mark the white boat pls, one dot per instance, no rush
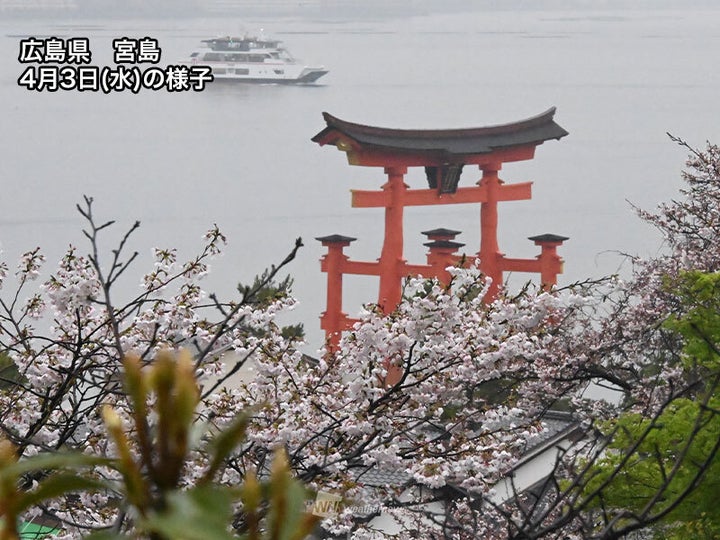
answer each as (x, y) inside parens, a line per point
(252, 60)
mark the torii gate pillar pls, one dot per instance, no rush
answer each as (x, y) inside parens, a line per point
(391, 257)
(489, 253)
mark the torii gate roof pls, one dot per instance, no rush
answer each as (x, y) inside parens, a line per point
(378, 146)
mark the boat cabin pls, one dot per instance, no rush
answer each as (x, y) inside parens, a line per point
(240, 44)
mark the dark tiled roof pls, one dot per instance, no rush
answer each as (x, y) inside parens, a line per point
(335, 238)
(379, 477)
(442, 231)
(556, 425)
(444, 244)
(548, 237)
(481, 140)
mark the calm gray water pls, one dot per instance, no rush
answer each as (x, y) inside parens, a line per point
(241, 156)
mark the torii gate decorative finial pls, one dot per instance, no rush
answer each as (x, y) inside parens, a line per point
(443, 153)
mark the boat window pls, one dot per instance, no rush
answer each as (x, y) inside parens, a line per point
(236, 57)
(212, 56)
(257, 57)
(218, 45)
(193, 55)
(242, 71)
(279, 71)
(275, 55)
(219, 71)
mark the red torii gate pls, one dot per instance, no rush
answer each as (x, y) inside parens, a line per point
(443, 153)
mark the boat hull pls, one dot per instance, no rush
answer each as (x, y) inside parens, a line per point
(308, 78)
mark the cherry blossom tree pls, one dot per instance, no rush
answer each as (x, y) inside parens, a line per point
(64, 375)
(336, 416)
(653, 465)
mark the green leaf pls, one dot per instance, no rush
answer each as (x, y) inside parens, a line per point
(201, 513)
(296, 523)
(226, 441)
(288, 518)
(60, 460)
(59, 484)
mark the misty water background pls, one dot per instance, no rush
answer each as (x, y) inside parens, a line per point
(241, 155)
